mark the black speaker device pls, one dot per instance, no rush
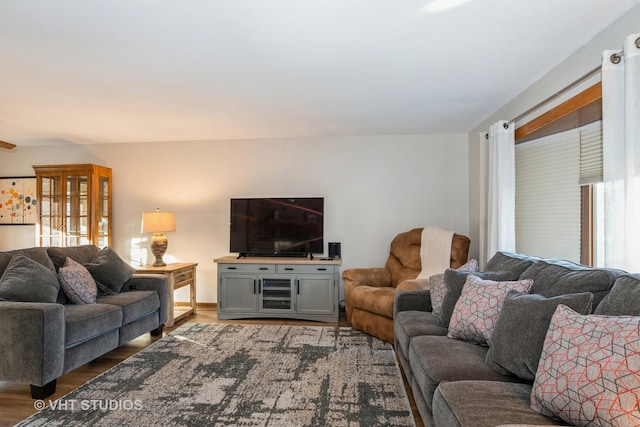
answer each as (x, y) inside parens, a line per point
(334, 250)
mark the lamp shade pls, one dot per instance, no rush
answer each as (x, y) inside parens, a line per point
(158, 222)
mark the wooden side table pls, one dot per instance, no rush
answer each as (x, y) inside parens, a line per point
(178, 276)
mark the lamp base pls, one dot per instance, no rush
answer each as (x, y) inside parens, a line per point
(159, 245)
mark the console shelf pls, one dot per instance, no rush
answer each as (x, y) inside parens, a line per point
(267, 287)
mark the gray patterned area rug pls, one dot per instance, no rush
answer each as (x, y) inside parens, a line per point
(244, 375)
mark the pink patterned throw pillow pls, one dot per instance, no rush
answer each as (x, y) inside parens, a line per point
(77, 283)
(478, 308)
(471, 265)
(589, 371)
(437, 288)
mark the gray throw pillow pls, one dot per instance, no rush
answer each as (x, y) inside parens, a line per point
(37, 254)
(454, 282)
(81, 254)
(518, 336)
(623, 299)
(509, 261)
(110, 271)
(558, 277)
(26, 280)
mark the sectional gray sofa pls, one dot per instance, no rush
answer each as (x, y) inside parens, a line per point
(44, 335)
(461, 383)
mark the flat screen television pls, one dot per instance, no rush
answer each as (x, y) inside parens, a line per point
(277, 226)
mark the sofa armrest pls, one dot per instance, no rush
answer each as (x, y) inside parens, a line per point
(418, 300)
(151, 282)
(32, 342)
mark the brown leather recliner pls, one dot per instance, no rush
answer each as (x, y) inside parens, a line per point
(369, 292)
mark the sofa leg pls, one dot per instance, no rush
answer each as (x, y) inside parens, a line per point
(40, 392)
(157, 331)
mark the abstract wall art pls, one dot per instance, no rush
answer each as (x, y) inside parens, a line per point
(18, 204)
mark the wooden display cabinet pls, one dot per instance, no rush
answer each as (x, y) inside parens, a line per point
(74, 205)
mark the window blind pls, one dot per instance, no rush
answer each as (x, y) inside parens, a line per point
(549, 173)
(548, 196)
(591, 153)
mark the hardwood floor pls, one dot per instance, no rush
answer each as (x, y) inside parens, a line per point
(16, 403)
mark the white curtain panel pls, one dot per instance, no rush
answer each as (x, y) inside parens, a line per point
(501, 184)
(621, 155)
(483, 141)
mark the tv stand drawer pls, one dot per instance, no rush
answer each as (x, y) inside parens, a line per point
(247, 268)
(305, 269)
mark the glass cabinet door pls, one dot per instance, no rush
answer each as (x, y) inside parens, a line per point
(104, 211)
(77, 210)
(51, 221)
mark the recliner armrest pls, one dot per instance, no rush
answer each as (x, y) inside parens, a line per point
(418, 300)
(32, 342)
(354, 277)
(378, 277)
(414, 284)
(151, 282)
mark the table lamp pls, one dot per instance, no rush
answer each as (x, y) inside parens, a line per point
(156, 223)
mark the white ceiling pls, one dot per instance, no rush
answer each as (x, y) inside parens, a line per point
(93, 71)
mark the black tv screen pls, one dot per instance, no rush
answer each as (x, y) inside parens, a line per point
(277, 226)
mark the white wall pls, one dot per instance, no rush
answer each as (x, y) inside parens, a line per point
(374, 188)
(568, 71)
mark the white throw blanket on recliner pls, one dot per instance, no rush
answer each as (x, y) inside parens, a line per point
(435, 251)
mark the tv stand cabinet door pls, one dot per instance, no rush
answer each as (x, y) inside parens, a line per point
(237, 293)
(315, 295)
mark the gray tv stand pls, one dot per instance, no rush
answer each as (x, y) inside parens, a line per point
(272, 287)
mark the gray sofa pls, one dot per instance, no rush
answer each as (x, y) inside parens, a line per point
(44, 335)
(459, 383)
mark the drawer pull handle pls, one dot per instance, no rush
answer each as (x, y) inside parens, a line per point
(289, 268)
(322, 269)
(264, 268)
(231, 268)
